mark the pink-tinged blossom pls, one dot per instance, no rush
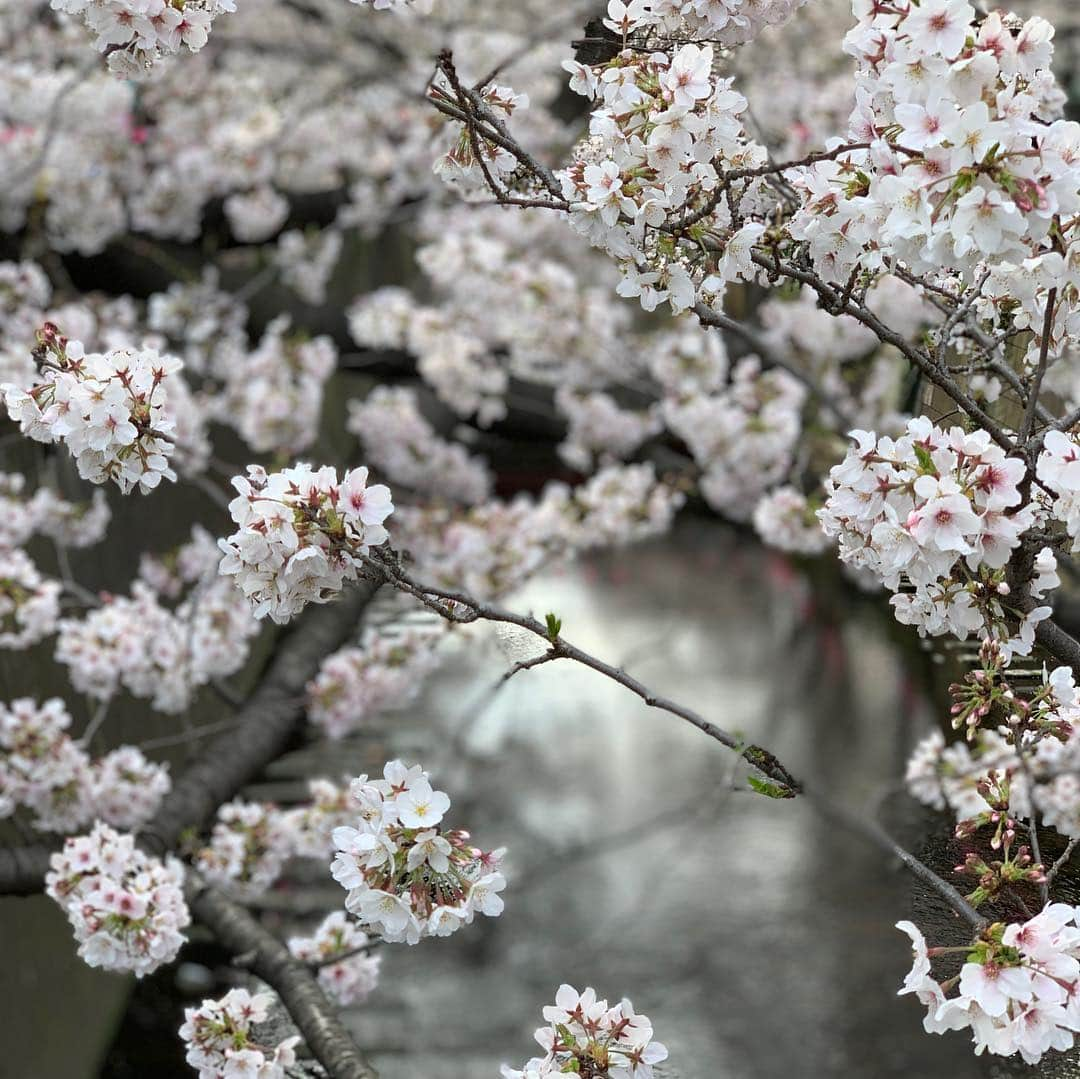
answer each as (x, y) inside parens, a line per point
(302, 534)
(1015, 989)
(127, 909)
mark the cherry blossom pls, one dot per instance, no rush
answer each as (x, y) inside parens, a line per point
(222, 1038)
(126, 908)
(352, 978)
(585, 1035)
(302, 534)
(403, 895)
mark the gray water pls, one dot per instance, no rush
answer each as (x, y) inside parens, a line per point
(757, 938)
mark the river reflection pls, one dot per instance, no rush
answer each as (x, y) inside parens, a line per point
(757, 938)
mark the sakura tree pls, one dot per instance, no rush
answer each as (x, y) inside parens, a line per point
(827, 293)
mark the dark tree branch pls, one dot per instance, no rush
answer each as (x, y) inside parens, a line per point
(458, 607)
(293, 981)
(1040, 371)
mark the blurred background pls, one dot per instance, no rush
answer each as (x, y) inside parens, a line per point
(756, 936)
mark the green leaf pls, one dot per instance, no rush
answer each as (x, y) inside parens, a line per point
(926, 462)
(554, 624)
(770, 790)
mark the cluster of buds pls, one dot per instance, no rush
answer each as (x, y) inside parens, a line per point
(406, 876)
(1012, 868)
(986, 692)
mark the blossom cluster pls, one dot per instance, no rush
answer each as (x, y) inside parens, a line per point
(955, 776)
(1017, 987)
(273, 395)
(310, 826)
(29, 602)
(222, 1042)
(70, 524)
(135, 34)
(458, 365)
(1055, 471)
(301, 535)
(586, 1036)
(961, 161)
(109, 409)
(306, 260)
(355, 684)
(489, 549)
(346, 972)
(127, 908)
(408, 877)
(248, 846)
(742, 437)
(400, 442)
(207, 635)
(727, 22)
(45, 771)
(251, 842)
(600, 430)
(662, 127)
(940, 511)
(785, 519)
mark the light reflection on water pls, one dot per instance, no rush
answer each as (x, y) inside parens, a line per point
(757, 939)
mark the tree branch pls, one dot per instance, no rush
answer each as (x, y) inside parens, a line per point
(458, 607)
(293, 981)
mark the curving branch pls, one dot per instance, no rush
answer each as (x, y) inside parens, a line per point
(461, 608)
(293, 980)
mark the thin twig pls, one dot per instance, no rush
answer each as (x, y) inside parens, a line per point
(1040, 371)
(1060, 864)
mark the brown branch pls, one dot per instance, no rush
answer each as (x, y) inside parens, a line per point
(292, 979)
(458, 607)
(264, 725)
(1060, 864)
(868, 828)
(833, 300)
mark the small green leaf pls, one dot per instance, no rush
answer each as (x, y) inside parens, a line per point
(926, 462)
(770, 790)
(554, 624)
